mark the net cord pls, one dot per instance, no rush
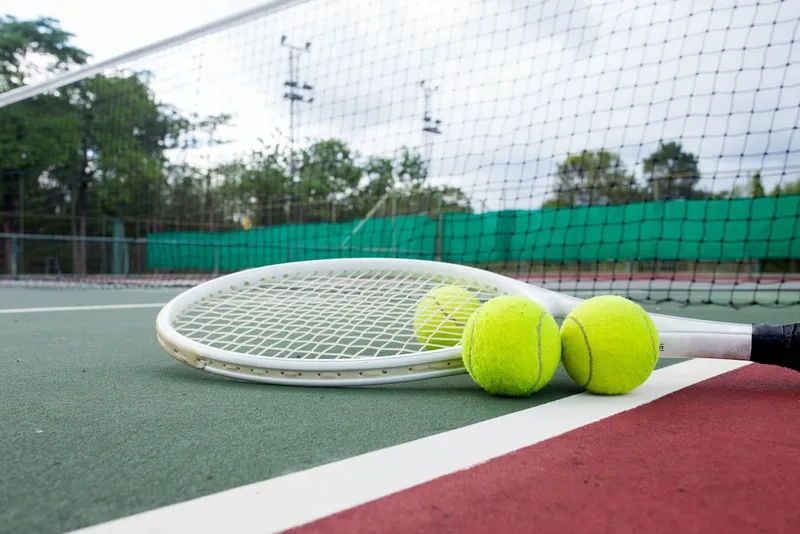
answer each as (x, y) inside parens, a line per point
(29, 91)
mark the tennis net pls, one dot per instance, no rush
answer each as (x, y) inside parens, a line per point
(644, 148)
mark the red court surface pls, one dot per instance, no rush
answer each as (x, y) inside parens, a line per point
(720, 456)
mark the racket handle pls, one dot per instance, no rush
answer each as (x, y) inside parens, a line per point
(776, 345)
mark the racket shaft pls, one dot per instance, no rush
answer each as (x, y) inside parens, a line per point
(727, 346)
(766, 344)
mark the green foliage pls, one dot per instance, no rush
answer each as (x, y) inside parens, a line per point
(789, 188)
(671, 173)
(122, 138)
(594, 178)
(326, 168)
(100, 148)
(755, 188)
(327, 182)
(36, 135)
(735, 192)
(42, 38)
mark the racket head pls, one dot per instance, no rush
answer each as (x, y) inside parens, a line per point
(325, 322)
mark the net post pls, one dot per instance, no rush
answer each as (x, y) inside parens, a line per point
(117, 252)
(14, 257)
(394, 225)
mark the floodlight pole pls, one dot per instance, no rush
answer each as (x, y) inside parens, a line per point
(429, 125)
(295, 93)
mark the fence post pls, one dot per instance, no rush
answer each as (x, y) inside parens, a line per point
(118, 251)
(14, 259)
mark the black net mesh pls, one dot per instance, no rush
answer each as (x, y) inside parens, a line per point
(638, 147)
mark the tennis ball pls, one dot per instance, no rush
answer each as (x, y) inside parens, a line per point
(511, 346)
(609, 345)
(441, 315)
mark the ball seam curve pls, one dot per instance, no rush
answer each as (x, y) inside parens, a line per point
(653, 343)
(588, 351)
(468, 359)
(538, 355)
(448, 317)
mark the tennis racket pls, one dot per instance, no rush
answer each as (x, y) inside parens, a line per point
(346, 322)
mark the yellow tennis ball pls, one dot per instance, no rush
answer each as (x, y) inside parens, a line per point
(441, 315)
(511, 346)
(609, 345)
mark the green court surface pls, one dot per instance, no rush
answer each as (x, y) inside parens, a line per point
(99, 423)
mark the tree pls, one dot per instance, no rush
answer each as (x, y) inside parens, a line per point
(755, 187)
(328, 167)
(121, 134)
(42, 38)
(100, 147)
(31, 149)
(671, 173)
(735, 192)
(257, 185)
(202, 133)
(789, 188)
(332, 183)
(402, 182)
(593, 178)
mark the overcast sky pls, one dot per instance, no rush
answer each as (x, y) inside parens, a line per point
(522, 83)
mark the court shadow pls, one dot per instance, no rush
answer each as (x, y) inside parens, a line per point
(458, 385)
(185, 375)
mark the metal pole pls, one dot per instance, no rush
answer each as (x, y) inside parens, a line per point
(21, 252)
(296, 92)
(430, 126)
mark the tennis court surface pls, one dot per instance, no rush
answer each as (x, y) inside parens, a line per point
(102, 429)
(639, 148)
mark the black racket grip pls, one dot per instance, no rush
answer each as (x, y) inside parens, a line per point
(776, 345)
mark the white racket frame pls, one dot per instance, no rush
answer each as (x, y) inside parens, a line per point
(679, 337)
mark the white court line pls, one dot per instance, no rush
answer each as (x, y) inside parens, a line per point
(295, 499)
(83, 308)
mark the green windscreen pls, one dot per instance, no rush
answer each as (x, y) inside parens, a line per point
(694, 230)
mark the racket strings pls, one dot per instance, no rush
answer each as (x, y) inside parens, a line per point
(321, 316)
(350, 329)
(299, 319)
